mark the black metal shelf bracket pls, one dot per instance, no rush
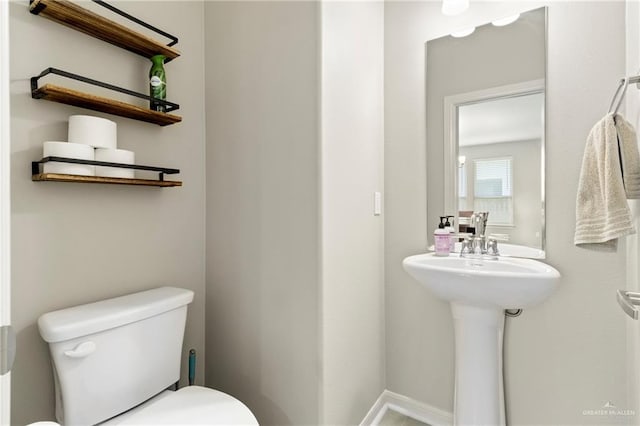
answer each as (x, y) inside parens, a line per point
(169, 106)
(174, 39)
(35, 165)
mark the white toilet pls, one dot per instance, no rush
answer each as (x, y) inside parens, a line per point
(114, 360)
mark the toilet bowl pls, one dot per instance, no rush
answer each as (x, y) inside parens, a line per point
(188, 406)
(192, 405)
(114, 360)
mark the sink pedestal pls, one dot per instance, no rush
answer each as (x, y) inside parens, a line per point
(479, 393)
(479, 290)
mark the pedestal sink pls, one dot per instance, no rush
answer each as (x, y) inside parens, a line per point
(479, 291)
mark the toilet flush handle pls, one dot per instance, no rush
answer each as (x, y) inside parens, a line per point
(82, 350)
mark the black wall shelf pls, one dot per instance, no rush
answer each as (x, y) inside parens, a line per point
(78, 18)
(73, 97)
(57, 177)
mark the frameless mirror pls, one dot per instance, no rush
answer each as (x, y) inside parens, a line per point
(485, 128)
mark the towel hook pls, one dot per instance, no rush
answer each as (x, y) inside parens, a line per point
(619, 95)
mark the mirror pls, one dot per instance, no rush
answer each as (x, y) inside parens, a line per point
(485, 128)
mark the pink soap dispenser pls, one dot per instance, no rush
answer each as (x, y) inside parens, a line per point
(442, 239)
(448, 225)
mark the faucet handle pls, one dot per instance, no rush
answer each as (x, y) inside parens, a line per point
(492, 247)
(479, 245)
(467, 246)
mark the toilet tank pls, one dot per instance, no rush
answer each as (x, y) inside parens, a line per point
(114, 354)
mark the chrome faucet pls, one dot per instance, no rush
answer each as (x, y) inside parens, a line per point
(479, 246)
(479, 222)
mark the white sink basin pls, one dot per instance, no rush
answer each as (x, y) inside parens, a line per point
(506, 283)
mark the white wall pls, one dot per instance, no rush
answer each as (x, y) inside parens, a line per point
(262, 319)
(77, 243)
(294, 253)
(352, 237)
(567, 355)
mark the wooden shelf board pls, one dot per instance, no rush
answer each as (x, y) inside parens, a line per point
(55, 177)
(63, 95)
(81, 19)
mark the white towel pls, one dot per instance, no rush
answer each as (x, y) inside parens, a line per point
(602, 212)
(628, 144)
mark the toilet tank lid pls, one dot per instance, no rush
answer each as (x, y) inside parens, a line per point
(83, 320)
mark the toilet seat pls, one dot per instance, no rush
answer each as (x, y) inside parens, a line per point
(192, 405)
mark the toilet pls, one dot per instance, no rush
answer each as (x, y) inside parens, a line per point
(115, 361)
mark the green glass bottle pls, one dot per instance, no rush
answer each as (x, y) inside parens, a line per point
(158, 82)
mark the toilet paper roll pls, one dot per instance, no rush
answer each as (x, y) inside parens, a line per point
(94, 131)
(115, 156)
(68, 150)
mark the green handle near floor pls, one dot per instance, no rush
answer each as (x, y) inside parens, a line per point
(192, 366)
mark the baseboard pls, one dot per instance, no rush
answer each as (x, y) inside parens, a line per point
(420, 411)
(376, 411)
